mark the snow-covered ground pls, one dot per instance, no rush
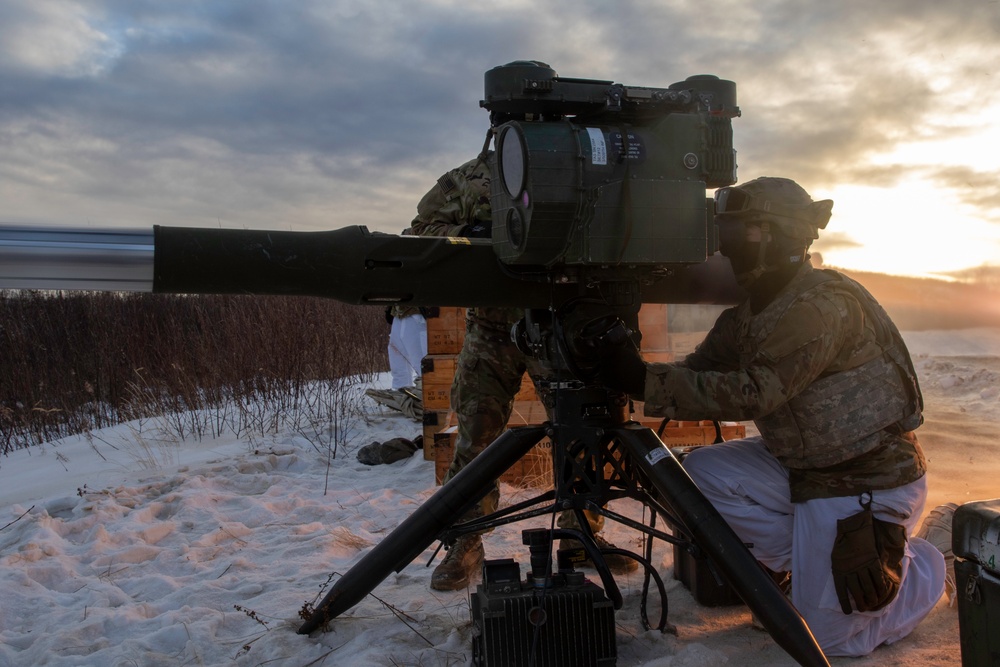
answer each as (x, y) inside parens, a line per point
(127, 550)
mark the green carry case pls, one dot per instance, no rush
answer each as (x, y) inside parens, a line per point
(976, 543)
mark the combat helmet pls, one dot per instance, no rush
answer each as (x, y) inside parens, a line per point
(786, 216)
(780, 201)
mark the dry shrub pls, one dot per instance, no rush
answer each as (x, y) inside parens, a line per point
(85, 360)
(344, 538)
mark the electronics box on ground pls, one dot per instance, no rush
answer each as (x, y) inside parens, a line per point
(976, 543)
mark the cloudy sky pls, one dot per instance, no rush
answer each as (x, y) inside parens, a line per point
(319, 114)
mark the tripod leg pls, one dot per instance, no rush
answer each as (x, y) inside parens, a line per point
(420, 529)
(710, 530)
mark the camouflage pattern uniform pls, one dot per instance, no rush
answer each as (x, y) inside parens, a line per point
(403, 311)
(489, 367)
(825, 376)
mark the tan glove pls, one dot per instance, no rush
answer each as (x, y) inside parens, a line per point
(867, 561)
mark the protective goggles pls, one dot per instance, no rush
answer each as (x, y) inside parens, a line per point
(732, 200)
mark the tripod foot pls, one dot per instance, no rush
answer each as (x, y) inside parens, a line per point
(421, 528)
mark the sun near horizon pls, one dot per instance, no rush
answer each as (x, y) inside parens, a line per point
(913, 229)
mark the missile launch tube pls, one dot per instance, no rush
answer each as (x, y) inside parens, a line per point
(110, 260)
(349, 264)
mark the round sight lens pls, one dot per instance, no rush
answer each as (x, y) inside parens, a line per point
(512, 161)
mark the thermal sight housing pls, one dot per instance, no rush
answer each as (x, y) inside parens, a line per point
(596, 177)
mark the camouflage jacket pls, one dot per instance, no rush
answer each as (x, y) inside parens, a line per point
(822, 372)
(459, 199)
(404, 311)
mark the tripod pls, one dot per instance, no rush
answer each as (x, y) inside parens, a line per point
(590, 434)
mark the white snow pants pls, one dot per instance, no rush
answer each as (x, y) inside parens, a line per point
(407, 346)
(750, 489)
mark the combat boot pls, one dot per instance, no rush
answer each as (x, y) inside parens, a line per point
(937, 529)
(464, 558)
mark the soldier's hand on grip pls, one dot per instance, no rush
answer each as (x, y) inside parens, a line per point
(478, 230)
(619, 364)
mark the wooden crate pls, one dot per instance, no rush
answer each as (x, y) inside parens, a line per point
(657, 356)
(438, 368)
(434, 421)
(445, 330)
(437, 396)
(527, 413)
(532, 413)
(689, 433)
(436, 374)
(653, 325)
(446, 333)
(534, 469)
(527, 390)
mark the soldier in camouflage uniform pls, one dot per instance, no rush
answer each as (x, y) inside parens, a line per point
(489, 367)
(836, 481)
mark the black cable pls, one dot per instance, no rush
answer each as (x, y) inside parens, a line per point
(650, 571)
(648, 553)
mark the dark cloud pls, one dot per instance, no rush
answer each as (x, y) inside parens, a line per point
(255, 111)
(198, 102)
(825, 89)
(258, 83)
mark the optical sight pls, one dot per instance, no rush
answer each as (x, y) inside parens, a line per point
(602, 179)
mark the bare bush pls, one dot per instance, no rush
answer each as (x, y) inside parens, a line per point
(76, 362)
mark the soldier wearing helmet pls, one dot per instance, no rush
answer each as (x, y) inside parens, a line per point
(488, 370)
(767, 225)
(830, 492)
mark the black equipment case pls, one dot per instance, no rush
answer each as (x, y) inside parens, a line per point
(569, 622)
(705, 584)
(696, 572)
(976, 543)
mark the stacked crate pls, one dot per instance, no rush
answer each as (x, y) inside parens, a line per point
(445, 334)
(655, 344)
